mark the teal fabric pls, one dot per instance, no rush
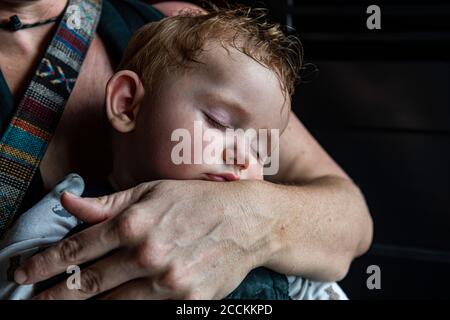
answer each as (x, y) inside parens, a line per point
(6, 103)
(262, 284)
(120, 19)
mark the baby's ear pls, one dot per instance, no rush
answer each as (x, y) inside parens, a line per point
(124, 95)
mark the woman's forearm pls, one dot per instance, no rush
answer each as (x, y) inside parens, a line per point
(318, 227)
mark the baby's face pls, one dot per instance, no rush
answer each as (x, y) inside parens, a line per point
(229, 90)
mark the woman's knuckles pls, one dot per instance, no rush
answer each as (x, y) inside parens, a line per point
(69, 250)
(131, 224)
(175, 280)
(91, 282)
(151, 255)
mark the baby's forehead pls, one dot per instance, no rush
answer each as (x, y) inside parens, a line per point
(230, 75)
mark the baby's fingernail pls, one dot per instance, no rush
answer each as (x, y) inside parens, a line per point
(20, 276)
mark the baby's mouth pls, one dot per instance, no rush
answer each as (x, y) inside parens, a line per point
(222, 177)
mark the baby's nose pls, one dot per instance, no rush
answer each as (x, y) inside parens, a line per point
(237, 157)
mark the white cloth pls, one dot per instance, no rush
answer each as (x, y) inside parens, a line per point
(305, 289)
(41, 226)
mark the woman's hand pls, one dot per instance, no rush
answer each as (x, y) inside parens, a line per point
(166, 239)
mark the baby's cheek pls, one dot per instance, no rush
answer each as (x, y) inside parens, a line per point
(166, 168)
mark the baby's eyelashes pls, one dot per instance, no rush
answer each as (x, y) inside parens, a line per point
(215, 123)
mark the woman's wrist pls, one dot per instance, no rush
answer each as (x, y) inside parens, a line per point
(256, 200)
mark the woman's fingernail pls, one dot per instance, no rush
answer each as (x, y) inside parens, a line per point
(69, 194)
(20, 276)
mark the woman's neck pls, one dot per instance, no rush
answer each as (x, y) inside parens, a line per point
(26, 41)
(30, 11)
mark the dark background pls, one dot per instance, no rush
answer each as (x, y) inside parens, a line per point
(380, 105)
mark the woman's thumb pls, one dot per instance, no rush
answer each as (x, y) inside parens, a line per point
(95, 210)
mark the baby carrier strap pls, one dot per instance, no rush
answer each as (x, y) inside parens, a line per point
(31, 129)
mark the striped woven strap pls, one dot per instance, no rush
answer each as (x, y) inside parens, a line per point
(25, 141)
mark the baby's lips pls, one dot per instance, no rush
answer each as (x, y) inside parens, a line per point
(222, 177)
